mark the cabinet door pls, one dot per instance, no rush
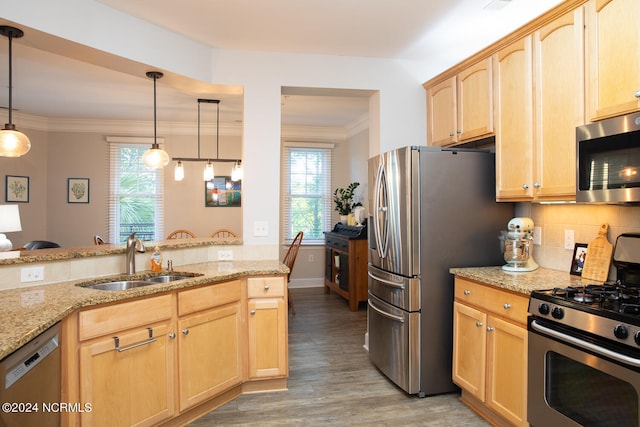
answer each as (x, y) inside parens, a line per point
(441, 113)
(267, 337)
(507, 370)
(209, 351)
(559, 107)
(469, 349)
(513, 94)
(129, 386)
(613, 57)
(475, 101)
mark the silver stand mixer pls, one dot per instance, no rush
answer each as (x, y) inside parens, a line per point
(516, 245)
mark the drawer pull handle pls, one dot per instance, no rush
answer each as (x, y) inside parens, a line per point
(145, 342)
(252, 312)
(467, 292)
(185, 331)
(266, 287)
(478, 324)
(507, 306)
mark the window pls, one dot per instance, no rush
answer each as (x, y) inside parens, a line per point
(136, 200)
(307, 191)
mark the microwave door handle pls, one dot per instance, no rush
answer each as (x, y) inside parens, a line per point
(580, 343)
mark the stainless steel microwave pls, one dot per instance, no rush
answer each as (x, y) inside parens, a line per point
(608, 160)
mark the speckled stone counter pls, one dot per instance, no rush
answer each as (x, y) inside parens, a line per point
(521, 282)
(26, 312)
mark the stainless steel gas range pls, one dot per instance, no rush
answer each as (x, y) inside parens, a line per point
(584, 349)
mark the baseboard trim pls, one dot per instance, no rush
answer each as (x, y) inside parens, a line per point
(316, 282)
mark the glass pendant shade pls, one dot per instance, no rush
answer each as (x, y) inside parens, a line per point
(237, 173)
(178, 173)
(208, 174)
(155, 157)
(13, 143)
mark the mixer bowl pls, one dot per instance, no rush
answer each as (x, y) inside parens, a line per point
(516, 252)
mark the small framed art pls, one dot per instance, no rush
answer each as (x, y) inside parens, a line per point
(17, 189)
(221, 191)
(577, 262)
(77, 190)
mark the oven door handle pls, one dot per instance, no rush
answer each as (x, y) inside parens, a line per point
(595, 348)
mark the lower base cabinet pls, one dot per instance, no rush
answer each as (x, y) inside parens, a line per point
(490, 351)
(165, 360)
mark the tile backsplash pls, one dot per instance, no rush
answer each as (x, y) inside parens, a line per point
(584, 220)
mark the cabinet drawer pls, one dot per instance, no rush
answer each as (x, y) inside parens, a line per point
(336, 243)
(198, 299)
(261, 287)
(126, 315)
(503, 303)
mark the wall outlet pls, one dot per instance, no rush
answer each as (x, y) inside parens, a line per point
(260, 228)
(32, 274)
(311, 258)
(226, 255)
(569, 241)
(537, 235)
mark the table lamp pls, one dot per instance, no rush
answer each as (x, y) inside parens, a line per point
(9, 221)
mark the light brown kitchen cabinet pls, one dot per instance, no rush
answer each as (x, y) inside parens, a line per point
(613, 57)
(267, 327)
(460, 108)
(209, 337)
(126, 363)
(490, 351)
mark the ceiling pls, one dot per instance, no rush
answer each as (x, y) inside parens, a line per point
(51, 85)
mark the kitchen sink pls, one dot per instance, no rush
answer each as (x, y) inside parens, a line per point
(119, 285)
(167, 278)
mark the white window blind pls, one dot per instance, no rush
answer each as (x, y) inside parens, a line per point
(307, 191)
(136, 193)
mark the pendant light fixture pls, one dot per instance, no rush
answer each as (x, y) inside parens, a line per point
(13, 143)
(208, 172)
(155, 157)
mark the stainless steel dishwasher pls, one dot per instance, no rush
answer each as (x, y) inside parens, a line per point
(31, 382)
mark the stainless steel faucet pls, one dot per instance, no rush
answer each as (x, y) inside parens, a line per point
(133, 244)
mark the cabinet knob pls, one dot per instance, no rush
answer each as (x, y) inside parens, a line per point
(478, 324)
(252, 312)
(266, 287)
(637, 94)
(451, 133)
(458, 131)
(489, 328)
(507, 306)
(467, 292)
(525, 186)
(537, 185)
(172, 335)
(185, 332)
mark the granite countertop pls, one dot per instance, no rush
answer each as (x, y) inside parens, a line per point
(27, 312)
(521, 282)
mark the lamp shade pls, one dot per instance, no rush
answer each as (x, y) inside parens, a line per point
(178, 173)
(155, 157)
(12, 142)
(9, 218)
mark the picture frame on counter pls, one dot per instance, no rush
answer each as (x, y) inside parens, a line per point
(577, 261)
(16, 189)
(77, 190)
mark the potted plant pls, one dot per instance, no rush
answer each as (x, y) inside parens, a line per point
(343, 198)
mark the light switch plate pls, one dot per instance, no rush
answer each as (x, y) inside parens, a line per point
(569, 240)
(537, 235)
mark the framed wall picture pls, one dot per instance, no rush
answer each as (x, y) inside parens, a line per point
(577, 262)
(222, 192)
(17, 189)
(77, 190)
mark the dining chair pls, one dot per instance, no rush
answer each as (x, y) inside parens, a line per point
(181, 234)
(98, 240)
(289, 260)
(223, 232)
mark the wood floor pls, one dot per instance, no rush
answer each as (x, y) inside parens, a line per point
(332, 382)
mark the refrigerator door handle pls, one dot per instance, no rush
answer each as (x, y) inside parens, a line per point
(380, 235)
(384, 313)
(386, 282)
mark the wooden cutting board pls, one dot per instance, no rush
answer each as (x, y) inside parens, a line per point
(598, 260)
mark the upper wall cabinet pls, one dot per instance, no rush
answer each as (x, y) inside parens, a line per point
(460, 109)
(613, 57)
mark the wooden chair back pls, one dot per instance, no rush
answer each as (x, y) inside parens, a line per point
(98, 240)
(223, 232)
(289, 260)
(181, 234)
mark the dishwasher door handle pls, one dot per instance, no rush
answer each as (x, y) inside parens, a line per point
(140, 344)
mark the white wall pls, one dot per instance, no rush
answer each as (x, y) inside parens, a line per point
(401, 96)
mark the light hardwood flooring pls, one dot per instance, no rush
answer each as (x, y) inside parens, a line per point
(332, 382)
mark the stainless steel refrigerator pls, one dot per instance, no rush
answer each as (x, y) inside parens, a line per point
(430, 209)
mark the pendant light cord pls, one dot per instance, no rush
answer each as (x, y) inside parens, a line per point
(10, 36)
(155, 138)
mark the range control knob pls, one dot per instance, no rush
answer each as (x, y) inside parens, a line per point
(621, 332)
(636, 337)
(544, 308)
(557, 313)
